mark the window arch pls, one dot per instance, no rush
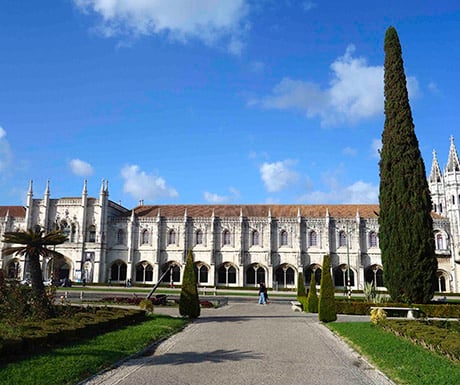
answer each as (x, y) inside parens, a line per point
(73, 232)
(372, 239)
(374, 275)
(65, 228)
(255, 238)
(226, 237)
(439, 241)
(313, 269)
(342, 238)
(255, 274)
(13, 269)
(202, 273)
(284, 238)
(118, 271)
(144, 272)
(145, 237)
(199, 237)
(341, 276)
(92, 233)
(120, 237)
(312, 238)
(284, 275)
(171, 237)
(226, 274)
(173, 274)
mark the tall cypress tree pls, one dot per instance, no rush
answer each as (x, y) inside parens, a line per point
(189, 302)
(406, 226)
(327, 311)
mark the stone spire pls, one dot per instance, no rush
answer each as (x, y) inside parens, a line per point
(435, 173)
(453, 163)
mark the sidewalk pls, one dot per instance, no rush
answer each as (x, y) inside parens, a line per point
(244, 344)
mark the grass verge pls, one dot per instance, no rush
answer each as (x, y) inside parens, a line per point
(69, 365)
(399, 359)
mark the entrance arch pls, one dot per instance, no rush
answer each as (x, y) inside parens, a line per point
(255, 274)
(285, 275)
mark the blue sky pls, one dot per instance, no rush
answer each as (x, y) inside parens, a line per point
(230, 101)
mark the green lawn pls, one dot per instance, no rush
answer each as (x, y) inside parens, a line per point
(72, 364)
(399, 359)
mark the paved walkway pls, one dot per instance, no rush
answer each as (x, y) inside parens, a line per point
(245, 344)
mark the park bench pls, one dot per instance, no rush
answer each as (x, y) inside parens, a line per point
(296, 306)
(407, 312)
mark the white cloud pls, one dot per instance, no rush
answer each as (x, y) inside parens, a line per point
(376, 146)
(359, 192)
(278, 175)
(214, 198)
(354, 93)
(80, 167)
(217, 199)
(433, 87)
(308, 5)
(5, 151)
(207, 20)
(141, 185)
(349, 151)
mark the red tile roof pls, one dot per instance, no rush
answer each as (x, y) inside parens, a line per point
(13, 211)
(277, 211)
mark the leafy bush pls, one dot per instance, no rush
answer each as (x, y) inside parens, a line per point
(326, 309)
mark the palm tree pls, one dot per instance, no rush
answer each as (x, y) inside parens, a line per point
(34, 244)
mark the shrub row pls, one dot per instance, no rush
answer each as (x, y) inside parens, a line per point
(438, 337)
(364, 308)
(32, 337)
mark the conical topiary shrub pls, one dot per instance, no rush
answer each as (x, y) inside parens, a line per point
(189, 302)
(300, 286)
(326, 310)
(312, 298)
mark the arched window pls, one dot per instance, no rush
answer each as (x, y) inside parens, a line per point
(342, 239)
(173, 274)
(226, 274)
(73, 232)
(202, 273)
(316, 270)
(171, 237)
(441, 282)
(341, 276)
(255, 274)
(120, 237)
(13, 269)
(284, 238)
(255, 238)
(226, 237)
(284, 275)
(92, 233)
(145, 237)
(144, 272)
(372, 239)
(374, 274)
(118, 271)
(439, 242)
(199, 237)
(65, 228)
(312, 238)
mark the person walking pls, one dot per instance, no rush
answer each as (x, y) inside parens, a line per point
(262, 294)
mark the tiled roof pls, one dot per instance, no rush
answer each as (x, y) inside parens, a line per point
(277, 211)
(13, 211)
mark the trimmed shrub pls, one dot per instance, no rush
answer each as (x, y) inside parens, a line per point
(304, 302)
(300, 287)
(189, 302)
(312, 298)
(326, 308)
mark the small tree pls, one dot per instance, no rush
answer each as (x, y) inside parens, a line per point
(312, 298)
(300, 286)
(34, 245)
(189, 302)
(326, 310)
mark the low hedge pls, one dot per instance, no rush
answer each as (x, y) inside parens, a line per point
(440, 337)
(32, 337)
(430, 310)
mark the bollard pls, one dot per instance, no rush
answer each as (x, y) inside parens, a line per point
(81, 296)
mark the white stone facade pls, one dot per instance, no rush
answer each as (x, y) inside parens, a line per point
(233, 245)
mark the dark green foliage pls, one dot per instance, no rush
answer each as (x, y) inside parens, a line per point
(326, 308)
(300, 286)
(189, 302)
(406, 227)
(304, 302)
(34, 245)
(312, 298)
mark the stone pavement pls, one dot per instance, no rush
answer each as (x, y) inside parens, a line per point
(244, 344)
